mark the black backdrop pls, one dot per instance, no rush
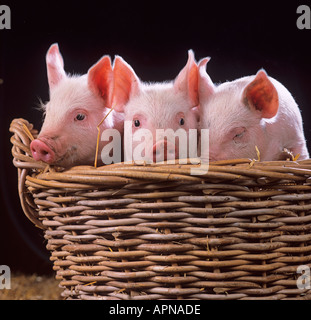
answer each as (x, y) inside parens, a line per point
(241, 37)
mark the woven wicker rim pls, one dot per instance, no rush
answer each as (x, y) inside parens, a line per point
(120, 174)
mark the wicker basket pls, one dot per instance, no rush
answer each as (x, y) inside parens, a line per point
(123, 231)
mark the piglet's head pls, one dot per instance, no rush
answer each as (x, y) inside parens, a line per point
(77, 104)
(154, 106)
(234, 115)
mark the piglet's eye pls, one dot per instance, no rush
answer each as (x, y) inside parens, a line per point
(238, 133)
(182, 121)
(80, 117)
(136, 123)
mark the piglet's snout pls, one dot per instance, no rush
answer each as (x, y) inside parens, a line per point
(41, 151)
(163, 151)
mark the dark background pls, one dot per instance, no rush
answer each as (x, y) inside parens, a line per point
(153, 37)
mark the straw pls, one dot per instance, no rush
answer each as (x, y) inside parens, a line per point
(97, 142)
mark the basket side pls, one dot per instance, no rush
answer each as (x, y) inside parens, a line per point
(23, 133)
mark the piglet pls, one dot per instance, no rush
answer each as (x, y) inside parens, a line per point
(250, 111)
(77, 105)
(156, 114)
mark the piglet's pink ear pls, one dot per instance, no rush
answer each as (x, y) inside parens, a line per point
(187, 80)
(261, 95)
(126, 84)
(55, 66)
(206, 85)
(100, 80)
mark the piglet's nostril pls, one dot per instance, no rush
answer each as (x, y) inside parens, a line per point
(44, 152)
(164, 150)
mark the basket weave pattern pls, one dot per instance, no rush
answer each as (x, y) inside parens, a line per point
(128, 231)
